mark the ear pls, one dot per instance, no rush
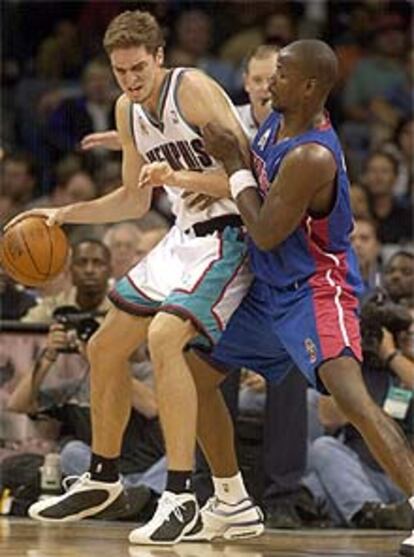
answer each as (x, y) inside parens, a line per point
(159, 56)
(310, 86)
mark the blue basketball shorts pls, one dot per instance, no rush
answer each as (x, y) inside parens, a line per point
(306, 326)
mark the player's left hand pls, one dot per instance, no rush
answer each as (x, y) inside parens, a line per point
(223, 145)
(155, 174)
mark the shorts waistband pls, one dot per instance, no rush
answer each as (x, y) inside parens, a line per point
(216, 224)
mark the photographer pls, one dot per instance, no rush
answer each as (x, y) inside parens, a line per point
(343, 474)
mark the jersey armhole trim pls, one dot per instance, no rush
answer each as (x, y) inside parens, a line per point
(193, 128)
(131, 122)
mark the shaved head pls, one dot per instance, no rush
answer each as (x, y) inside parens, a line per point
(314, 59)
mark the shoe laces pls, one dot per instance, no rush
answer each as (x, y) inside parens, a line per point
(212, 503)
(70, 482)
(169, 506)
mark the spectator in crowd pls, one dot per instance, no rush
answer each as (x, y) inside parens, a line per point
(394, 220)
(275, 27)
(14, 300)
(399, 278)
(351, 41)
(73, 183)
(90, 269)
(123, 240)
(18, 183)
(377, 72)
(129, 242)
(60, 54)
(367, 247)
(396, 102)
(279, 29)
(259, 67)
(193, 39)
(359, 202)
(78, 116)
(373, 76)
(402, 149)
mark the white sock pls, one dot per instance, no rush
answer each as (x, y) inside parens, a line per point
(230, 490)
(411, 501)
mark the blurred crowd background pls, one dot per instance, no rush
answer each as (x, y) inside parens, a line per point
(57, 87)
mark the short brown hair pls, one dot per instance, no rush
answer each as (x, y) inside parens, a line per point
(135, 28)
(261, 52)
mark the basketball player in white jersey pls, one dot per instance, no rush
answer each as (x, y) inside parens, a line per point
(183, 292)
(259, 67)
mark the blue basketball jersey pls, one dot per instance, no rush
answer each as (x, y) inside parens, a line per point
(317, 245)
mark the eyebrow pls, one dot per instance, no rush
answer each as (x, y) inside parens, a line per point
(119, 68)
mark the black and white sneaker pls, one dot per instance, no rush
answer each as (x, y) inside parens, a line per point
(407, 546)
(219, 519)
(84, 498)
(176, 514)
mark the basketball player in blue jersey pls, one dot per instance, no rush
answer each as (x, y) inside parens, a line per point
(184, 291)
(302, 306)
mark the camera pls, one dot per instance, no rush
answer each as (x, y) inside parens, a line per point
(82, 323)
(377, 313)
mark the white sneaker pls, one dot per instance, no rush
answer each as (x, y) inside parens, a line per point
(84, 498)
(229, 521)
(407, 546)
(176, 515)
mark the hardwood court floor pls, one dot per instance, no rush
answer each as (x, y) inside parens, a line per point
(27, 538)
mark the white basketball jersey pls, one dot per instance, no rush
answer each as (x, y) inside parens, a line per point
(246, 115)
(176, 141)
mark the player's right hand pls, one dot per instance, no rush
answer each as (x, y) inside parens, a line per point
(53, 215)
(107, 140)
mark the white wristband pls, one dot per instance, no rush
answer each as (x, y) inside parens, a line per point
(241, 180)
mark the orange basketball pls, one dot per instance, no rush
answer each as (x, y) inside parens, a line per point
(32, 252)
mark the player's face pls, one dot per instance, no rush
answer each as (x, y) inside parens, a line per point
(286, 85)
(135, 70)
(257, 79)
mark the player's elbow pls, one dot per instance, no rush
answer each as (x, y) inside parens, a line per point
(137, 202)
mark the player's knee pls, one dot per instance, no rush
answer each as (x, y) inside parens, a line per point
(168, 333)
